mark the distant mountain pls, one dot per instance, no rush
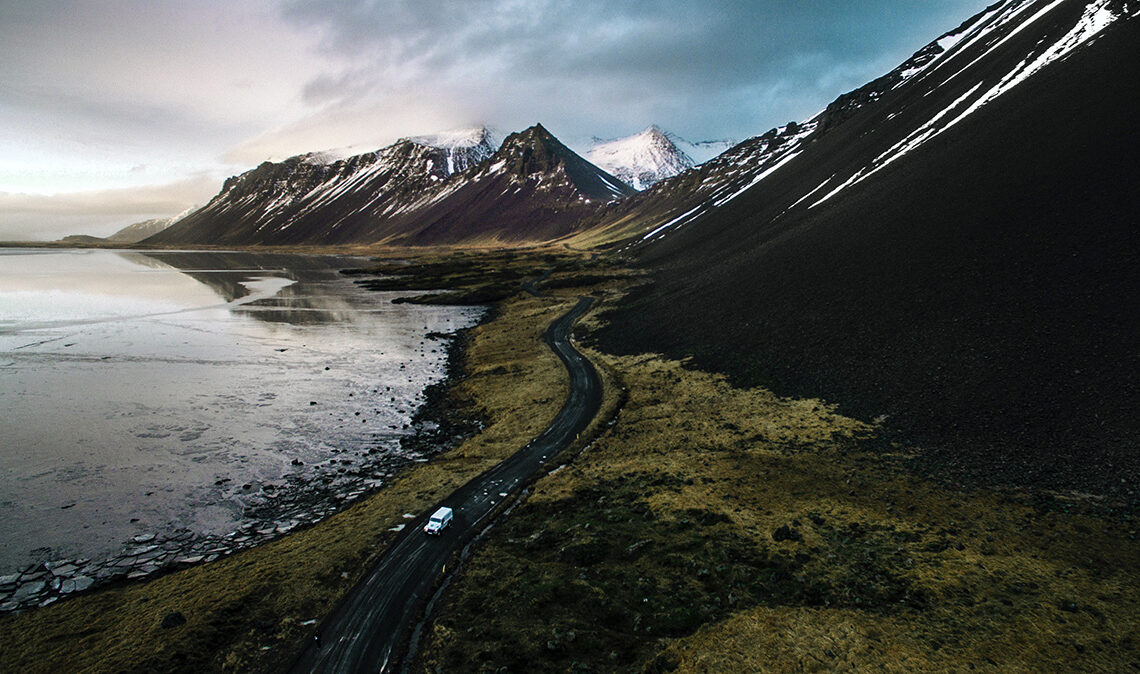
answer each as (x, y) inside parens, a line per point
(147, 228)
(533, 189)
(140, 230)
(642, 159)
(81, 240)
(431, 189)
(950, 248)
(701, 151)
(925, 96)
(305, 198)
(688, 195)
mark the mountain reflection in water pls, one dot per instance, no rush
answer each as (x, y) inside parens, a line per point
(196, 392)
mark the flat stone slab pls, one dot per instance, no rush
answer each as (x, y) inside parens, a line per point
(65, 570)
(28, 590)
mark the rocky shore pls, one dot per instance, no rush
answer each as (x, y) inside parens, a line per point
(270, 509)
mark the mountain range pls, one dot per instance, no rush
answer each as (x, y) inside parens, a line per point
(948, 249)
(454, 188)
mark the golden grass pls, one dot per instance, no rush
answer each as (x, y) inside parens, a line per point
(890, 572)
(653, 549)
(244, 612)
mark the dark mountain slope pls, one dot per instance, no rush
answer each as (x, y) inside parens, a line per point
(980, 292)
(305, 200)
(532, 188)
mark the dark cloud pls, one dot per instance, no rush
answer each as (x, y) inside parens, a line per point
(706, 68)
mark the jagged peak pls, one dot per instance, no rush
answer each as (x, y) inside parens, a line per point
(534, 151)
(531, 134)
(643, 159)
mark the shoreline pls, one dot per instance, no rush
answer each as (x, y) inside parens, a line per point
(251, 611)
(296, 501)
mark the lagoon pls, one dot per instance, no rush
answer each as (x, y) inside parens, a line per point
(191, 396)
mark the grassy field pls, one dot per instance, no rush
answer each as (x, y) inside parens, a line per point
(706, 528)
(721, 529)
(249, 612)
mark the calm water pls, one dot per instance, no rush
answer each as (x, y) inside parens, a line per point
(143, 393)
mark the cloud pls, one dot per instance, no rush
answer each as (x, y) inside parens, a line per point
(715, 68)
(362, 126)
(46, 217)
(91, 90)
(118, 83)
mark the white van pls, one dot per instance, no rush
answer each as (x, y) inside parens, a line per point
(438, 521)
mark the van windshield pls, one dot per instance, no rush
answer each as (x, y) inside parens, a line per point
(436, 520)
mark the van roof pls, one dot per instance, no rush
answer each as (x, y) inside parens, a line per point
(442, 512)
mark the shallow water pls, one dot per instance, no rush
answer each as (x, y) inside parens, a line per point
(145, 393)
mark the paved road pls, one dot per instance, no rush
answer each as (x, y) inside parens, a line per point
(366, 633)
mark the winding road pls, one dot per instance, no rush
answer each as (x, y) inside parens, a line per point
(367, 632)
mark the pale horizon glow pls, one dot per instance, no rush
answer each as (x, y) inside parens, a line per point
(116, 111)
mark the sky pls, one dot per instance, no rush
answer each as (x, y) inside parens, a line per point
(115, 111)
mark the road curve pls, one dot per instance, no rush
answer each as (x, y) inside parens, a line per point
(367, 631)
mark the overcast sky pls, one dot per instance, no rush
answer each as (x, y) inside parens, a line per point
(113, 111)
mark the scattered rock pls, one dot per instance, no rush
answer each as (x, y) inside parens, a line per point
(637, 547)
(786, 533)
(173, 619)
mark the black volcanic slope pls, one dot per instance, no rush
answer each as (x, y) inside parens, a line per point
(982, 292)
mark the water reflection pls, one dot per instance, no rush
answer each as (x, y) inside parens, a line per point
(310, 300)
(142, 391)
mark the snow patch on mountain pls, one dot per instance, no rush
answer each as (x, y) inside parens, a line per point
(1097, 16)
(641, 160)
(464, 147)
(740, 169)
(461, 138)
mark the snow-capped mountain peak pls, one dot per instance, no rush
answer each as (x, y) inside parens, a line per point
(464, 148)
(448, 187)
(460, 138)
(641, 159)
